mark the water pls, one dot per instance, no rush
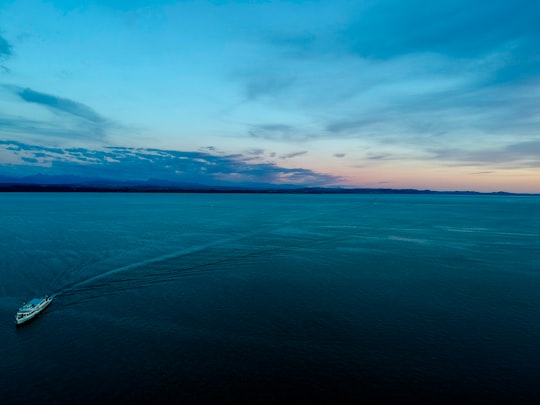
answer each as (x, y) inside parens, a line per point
(238, 298)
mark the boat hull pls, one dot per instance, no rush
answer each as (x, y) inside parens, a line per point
(33, 314)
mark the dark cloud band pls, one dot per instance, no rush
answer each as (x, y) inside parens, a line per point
(140, 164)
(5, 48)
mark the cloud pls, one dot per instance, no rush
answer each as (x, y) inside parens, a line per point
(346, 125)
(456, 28)
(527, 149)
(271, 131)
(255, 152)
(142, 164)
(339, 155)
(36, 149)
(280, 132)
(71, 119)
(258, 86)
(59, 104)
(5, 53)
(379, 157)
(5, 49)
(24, 126)
(482, 172)
(405, 70)
(516, 155)
(293, 154)
(386, 29)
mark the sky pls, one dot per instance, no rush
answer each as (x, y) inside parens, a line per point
(440, 95)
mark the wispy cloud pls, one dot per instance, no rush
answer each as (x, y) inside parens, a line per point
(520, 154)
(380, 157)
(439, 73)
(24, 126)
(258, 86)
(5, 53)
(395, 83)
(457, 29)
(293, 154)
(59, 104)
(142, 164)
(279, 132)
(255, 152)
(346, 125)
(72, 119)
(5, 48)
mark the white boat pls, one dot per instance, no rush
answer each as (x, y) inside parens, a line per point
(32, 308)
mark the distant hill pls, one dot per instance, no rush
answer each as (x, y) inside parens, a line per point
(45, 183)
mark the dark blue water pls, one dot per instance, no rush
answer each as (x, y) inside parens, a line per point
(270, 298)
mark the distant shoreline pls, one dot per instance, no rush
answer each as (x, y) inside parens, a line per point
(60, 188)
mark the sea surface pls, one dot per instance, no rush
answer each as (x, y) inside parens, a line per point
(242, 298)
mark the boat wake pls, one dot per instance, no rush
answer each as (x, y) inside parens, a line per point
(129, 277)
(146, 262)
(109, 283)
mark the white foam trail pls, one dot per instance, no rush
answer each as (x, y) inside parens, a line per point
(152, 260)
(182, 252)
